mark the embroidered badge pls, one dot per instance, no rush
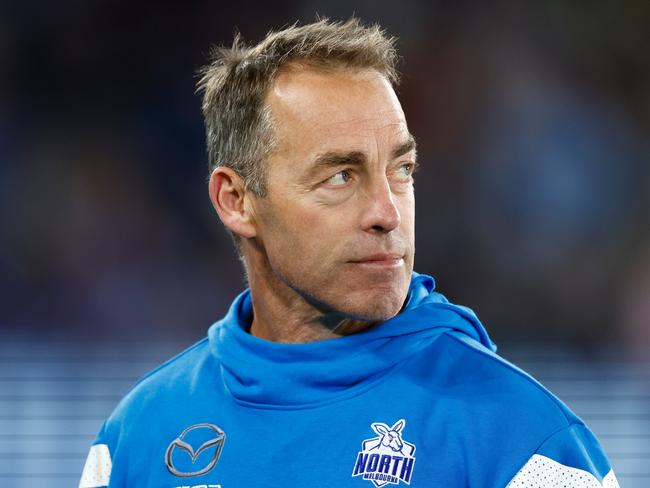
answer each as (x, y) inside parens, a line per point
(387, 459)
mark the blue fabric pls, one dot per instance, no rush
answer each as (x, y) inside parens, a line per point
(321, 414)
(562, 445)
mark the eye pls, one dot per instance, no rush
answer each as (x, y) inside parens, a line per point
(339, 179)
(406, 170)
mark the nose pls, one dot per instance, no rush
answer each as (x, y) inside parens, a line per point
(381, 214)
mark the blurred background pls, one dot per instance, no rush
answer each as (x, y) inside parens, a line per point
(533, 201)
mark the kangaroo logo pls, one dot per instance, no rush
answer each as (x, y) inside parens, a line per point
(387, 459)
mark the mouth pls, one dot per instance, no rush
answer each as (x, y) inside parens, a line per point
(380, 261)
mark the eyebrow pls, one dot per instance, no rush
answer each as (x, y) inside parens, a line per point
(407, 147)
(332, 159)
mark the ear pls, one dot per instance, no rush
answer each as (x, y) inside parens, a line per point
(380, 428)
(399, 425)
(229, 198)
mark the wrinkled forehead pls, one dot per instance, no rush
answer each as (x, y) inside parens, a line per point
(337, 128)
(312, 106)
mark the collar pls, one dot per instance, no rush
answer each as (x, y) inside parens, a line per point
(267, 374)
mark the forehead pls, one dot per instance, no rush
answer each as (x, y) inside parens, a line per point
(317, 110)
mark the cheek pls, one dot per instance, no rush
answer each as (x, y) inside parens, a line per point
(299, 236)
(319, 236)
(407, 211)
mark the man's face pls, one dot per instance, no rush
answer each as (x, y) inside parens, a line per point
(337, 223)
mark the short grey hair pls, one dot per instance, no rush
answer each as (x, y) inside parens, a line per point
(239, 129)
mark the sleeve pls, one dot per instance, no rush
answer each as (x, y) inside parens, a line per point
(570, 458)
(98, 467)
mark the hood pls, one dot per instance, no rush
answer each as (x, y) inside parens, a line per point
(275, 375)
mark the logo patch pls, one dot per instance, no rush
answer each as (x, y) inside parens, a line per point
(387, 459)
(181, 458)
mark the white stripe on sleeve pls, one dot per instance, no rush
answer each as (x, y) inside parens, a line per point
(97, 470)
(543, 472)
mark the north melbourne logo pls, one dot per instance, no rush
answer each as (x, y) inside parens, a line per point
(387, 459)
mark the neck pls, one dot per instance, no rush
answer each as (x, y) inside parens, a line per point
(281, 314)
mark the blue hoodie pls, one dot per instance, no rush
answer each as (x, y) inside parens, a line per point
(421, 399)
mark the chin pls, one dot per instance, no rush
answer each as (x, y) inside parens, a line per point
(375, 307)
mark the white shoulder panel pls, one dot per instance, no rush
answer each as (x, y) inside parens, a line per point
(97, 471)
(544, 472)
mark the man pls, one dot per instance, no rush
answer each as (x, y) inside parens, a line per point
(339, 366)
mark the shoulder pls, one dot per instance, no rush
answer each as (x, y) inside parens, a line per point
(485, 402)
(145, 414)
(165, 386)
(469, 370)
(529, 431)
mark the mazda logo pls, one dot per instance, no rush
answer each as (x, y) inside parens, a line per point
(217, 438)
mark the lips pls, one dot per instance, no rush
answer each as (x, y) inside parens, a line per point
(380, 258)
